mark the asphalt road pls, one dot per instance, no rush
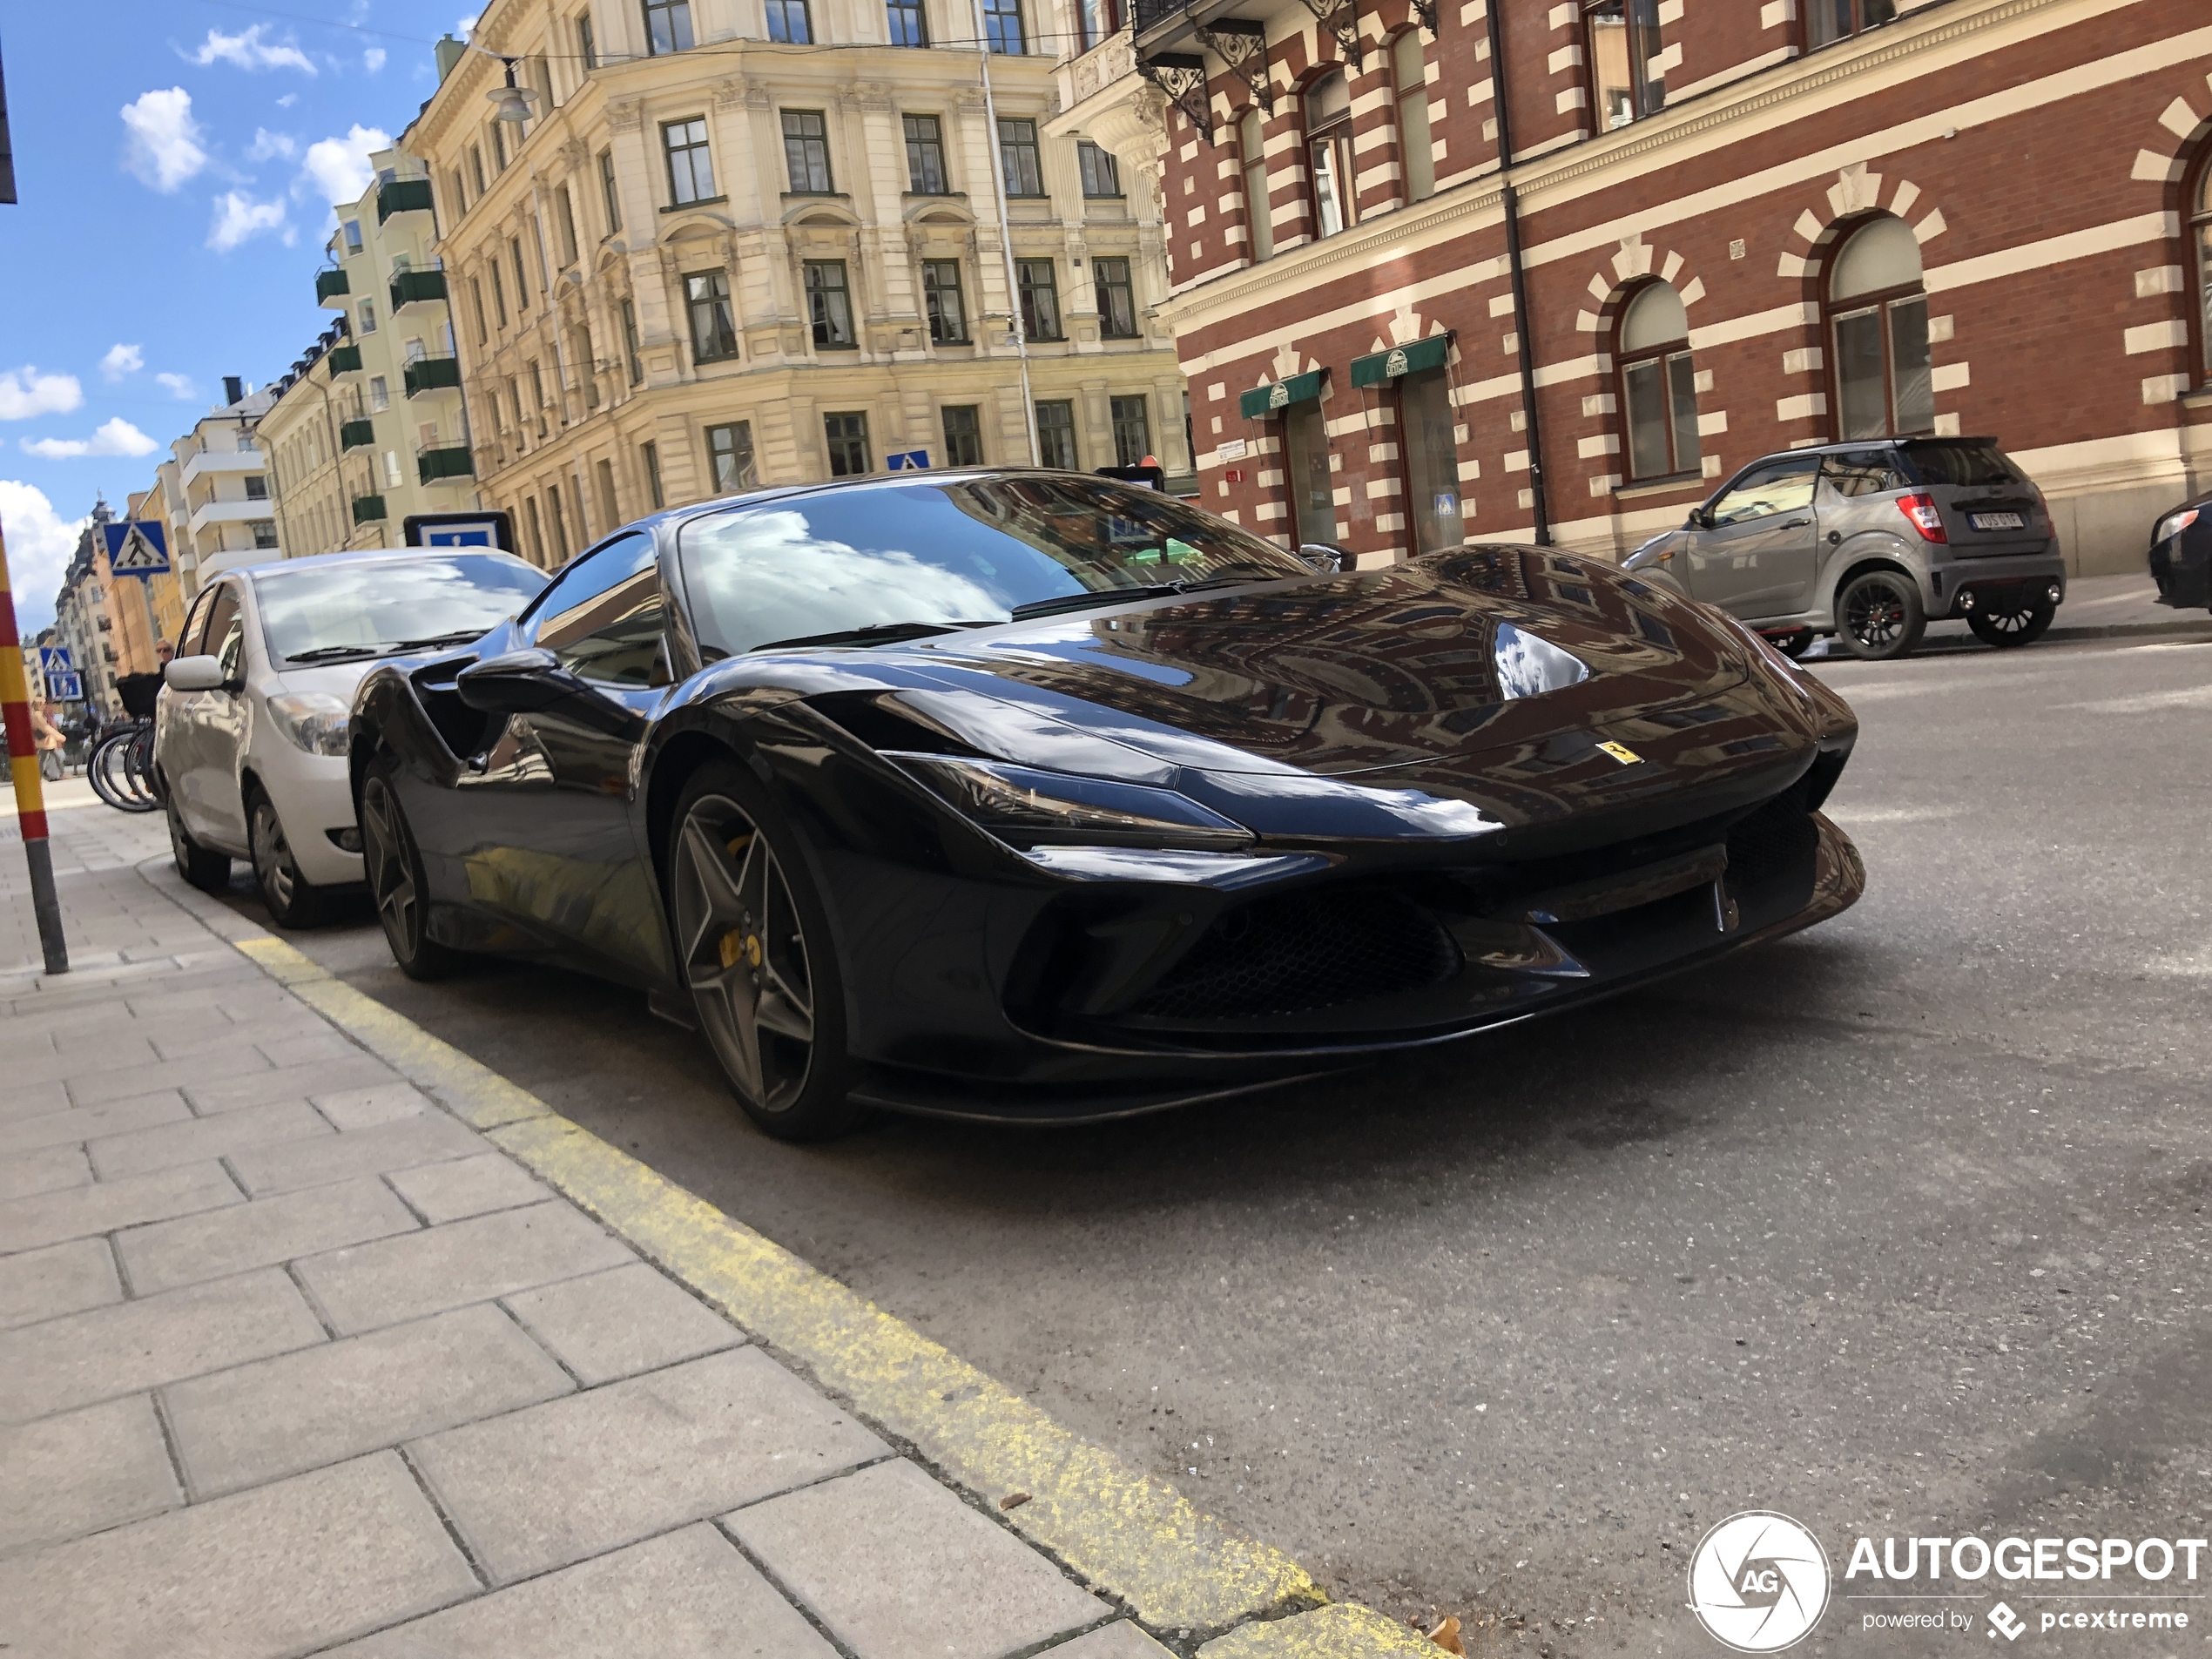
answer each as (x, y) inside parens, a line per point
(1897, 1226)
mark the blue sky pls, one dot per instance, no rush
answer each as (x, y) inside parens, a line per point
(175, 177)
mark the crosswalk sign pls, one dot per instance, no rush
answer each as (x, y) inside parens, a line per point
(907, 460)
(54, 659)
(137, 549)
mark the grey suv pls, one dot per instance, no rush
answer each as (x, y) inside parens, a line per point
(1870, 541)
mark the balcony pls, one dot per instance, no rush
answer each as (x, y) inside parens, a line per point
(343, 359)
(211, 463)
(357, 434)
(432, 374)
(330, 287)
(444, 461)
(368, 509)
(417, 287)
(218, 513)
(403, 195)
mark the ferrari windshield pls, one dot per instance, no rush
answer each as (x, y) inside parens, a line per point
(898, 559)
(318, 611)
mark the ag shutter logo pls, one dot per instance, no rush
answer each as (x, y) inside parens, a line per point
(1758, 1583)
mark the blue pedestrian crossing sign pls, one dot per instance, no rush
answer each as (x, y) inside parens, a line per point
(65, 688)
(907, 460)
(137, 547)
(54, 659)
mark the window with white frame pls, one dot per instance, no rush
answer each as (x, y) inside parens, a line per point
(1878, 329)
(1328, 148)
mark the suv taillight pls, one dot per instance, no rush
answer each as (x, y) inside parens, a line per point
(1921, 509)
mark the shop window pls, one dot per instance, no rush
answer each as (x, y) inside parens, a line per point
(1417, 154)
(1328, 152)
(1258, 224)
(1306, 472)
(1428, 440)
(1658, 383)
(1833, 20)
(1878, 329)
(1622, 43)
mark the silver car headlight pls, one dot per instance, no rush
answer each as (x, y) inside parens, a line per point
(312, 720)
(1020, 803)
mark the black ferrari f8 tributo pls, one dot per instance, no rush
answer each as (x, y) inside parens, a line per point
(1032, 795)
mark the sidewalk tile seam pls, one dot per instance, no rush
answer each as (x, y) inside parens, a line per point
(1114, 1615)
(445, 1519)
(892, 1453)
(385, 1175)
(177, 1471)
(524, 1326)
(775, 1582)
(314, 1303)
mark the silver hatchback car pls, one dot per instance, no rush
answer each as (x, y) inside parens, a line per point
(1870, 541)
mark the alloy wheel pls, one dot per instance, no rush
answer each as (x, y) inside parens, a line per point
(272, 865)
(744, 953)
(1876, 615)
(391, 872)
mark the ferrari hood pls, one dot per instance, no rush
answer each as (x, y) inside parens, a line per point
(1449, 655)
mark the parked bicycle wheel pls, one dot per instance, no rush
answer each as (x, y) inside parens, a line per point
(121, 770)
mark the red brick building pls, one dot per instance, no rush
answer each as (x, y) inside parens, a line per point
(1738, 225)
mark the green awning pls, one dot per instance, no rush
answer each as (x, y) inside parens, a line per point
(1433, 352)
(1266, 399)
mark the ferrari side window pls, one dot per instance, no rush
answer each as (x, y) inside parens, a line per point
(603, 617)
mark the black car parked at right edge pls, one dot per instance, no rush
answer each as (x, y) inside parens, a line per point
(2181, 556)
(1870, 541)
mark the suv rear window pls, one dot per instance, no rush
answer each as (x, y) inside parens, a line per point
(1959, 462)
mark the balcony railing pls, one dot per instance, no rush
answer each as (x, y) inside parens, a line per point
(432, 374)
(368, 509)
(444, 461)
(357, 434)
(343, 359)
(411, 287)
(403, 195)
(329, 286)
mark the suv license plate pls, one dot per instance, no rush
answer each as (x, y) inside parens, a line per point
(1996, 520)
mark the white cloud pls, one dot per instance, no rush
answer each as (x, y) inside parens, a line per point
(266, 145)
(249, 50)
(239, 217)
(122, 359)
(179, 386)
(336, 171)
(24, 392)
(164, 147)
(40, 545)
(467, 26)
(287, 100)
(114, 438)
(373, 57)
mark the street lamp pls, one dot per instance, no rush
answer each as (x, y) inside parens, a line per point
(512, 102)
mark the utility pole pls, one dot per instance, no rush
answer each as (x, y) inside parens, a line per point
(30, 794)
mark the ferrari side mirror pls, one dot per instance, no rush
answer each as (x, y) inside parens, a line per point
(533, 681)
(1328, 560)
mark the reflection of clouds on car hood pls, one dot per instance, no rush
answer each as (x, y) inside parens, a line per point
(1528, 666)
(767, 577)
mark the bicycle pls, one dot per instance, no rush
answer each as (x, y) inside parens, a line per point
(120, 769)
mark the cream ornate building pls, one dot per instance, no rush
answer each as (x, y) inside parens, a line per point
(756, 241)
(369, 426)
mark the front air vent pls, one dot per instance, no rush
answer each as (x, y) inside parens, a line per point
(1303, 951)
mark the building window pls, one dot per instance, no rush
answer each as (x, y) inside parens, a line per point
(940, 298)
(1132, 431)
(538, 389)
(610, 197)
(649, 454)
(1018, 155)
(806, 152)
(1623, 43)
(560, 522)
(564, 219)
(538, 534)
(379, 395)
(476, 305)
(1039, 293)
(1328, 148)
(668, 26)
(265, 533)
(1409, 70)
(787, 21)
(367, 312)
(714, 333)
(691, 169)
(1002, 26)
(2200, 238)
(925, 155)
(499, 146)
(1878, 327)
(1117, 298)
(729, 450)
(908, 26)
(1099, 19)
(1427, 434)
(963, 435)
(521, 275)
(1101, 174)
(587, 47)
(257, 487)
(847, 436)
(630, 342)
(1307, 477)
(1057, 435)
(1252, 146)
(1658, 385)
(1832, 20)
(829, 306)
(352, 236)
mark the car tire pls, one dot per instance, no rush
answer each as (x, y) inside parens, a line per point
(753, 946)
(1794, 644)
(201, 866)
(396, 888)
(2022, 625)
(290, 899)
(1879, 616)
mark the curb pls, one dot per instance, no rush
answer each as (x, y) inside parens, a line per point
(1127, 1534)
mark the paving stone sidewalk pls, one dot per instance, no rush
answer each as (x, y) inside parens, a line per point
(292, 1361)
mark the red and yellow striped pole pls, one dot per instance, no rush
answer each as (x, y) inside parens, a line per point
(23, 764)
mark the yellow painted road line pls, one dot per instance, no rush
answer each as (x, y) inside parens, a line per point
(1343, 1631)
(1130, 1535)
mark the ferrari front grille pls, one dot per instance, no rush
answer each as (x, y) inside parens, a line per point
(1302, 951)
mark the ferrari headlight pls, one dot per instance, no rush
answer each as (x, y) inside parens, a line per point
(312, 721)
(1020, 803)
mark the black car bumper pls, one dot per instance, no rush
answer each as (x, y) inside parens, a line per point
(1996, 583)
(2182, 565)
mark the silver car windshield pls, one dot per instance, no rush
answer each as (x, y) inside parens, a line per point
(883, 560)
(316, 612)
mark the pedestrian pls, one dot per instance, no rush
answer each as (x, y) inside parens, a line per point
(46, 735)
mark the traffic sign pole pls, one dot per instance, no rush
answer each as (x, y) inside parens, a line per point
(30, 794)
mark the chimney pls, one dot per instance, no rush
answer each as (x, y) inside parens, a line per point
(233, 389)
(449, 52)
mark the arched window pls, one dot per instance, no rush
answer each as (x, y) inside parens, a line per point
(1328, 152)
(1409, 79)
(1658, 384)
(1877, 326)
(2201, 237)
(1251, 145)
